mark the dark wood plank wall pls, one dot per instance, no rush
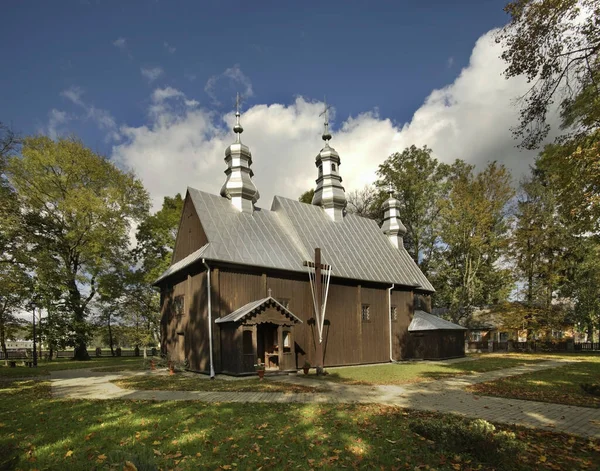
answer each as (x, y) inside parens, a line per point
(172, 341)
(236, 289)
(374, 335)
(348, 340)
(196, 334)
(190, 235)
(403, 300)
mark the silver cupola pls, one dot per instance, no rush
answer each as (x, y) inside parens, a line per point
(329, 194)
(238, 186)
(392, 226)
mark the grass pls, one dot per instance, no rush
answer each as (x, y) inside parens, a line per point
(45, 367)
(39, 432)
(558, 385)
(413, 372)
(193, 382)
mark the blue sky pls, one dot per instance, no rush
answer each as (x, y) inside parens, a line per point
(95, 67)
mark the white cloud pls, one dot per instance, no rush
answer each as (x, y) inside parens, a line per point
(120, 43)
(231, 80)
(56, 121)
(152, 73)
(103, 118)
(73, 94)
(469, 119)
(170, 49)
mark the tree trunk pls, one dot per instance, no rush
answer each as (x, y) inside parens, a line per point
(3, 343)
(110, 338)
(81, 353)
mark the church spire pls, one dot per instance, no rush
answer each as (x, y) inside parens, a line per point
(329, 194)
(238, 186)
(392, 225)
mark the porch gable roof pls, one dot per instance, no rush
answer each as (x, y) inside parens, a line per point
(255, 307)
(425, 321)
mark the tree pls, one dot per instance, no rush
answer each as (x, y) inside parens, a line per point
(365, 202)
(572, 169)
(14, 292)
(307, 196)
(78, 209)
(474, 229)
(420, 182)
(9, 204)
(555, 44)
(584, 286)
(156, 238)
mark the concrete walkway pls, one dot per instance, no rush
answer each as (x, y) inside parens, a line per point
(447, 395)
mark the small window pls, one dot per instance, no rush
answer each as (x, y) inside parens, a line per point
(178, 305)
(333, 167)
(248, 346)
(287, 342)
(503, 336)
(365, 313)
(320, 170)
(394, 313)
(476, 336)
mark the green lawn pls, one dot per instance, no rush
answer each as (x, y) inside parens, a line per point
(412, 372)
(559, 385)
(195, 382)
(45, 367)
(39, 432)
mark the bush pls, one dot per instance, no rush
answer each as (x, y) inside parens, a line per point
(98, 352)
(478, 438)
(591, 388)
(118, 351)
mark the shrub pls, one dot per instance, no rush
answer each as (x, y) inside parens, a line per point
(478, 438)
(118, 351)
(98, 352)
(591, 388)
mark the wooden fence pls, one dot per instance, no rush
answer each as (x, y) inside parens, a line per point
(22, 353)
(535, 346)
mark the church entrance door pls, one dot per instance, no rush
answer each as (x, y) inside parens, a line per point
(267, 345)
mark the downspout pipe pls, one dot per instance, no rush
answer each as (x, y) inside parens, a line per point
(390, 314)
(210, 326)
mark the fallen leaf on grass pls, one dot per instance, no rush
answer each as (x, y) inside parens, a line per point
(101, 458)
(69, 453)
(129, 466)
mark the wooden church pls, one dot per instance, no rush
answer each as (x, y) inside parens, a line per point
(244, 287)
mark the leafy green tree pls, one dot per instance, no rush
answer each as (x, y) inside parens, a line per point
(156, 238)
(78, 208)
(420, 183)
(555, 44)
(14, 293)
(307, 196)
(572, 169)
(474, 230)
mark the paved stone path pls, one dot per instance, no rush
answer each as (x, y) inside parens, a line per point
(447, 395)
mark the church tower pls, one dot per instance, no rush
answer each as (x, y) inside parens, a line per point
(392, 226)
(329, 194)
(238, 186)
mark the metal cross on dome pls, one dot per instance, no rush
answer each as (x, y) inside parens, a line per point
(325, 113)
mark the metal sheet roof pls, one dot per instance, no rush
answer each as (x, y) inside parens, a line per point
(254, 306)
(425, 321)
(286, 236)
(184, 262)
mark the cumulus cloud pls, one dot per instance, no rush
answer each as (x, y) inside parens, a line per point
(101, 117)
(231, 80)
(151, 73)
(469, 119)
